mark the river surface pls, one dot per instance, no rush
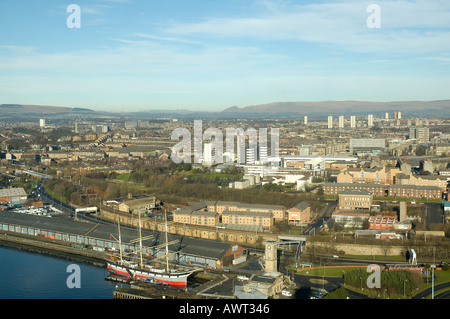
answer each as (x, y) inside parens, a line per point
(31, 275)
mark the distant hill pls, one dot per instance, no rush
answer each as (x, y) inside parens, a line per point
(280, 110)
(409, 108)
(14, 108)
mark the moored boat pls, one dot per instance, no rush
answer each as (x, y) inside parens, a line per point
(129, 270)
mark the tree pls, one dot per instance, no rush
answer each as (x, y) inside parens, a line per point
(421, 150)
(320, 191)
(365, 223)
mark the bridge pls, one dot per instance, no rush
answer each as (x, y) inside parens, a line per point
(36, 174)
(292, 240)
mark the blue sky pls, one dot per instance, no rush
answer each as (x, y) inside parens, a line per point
(213, 54)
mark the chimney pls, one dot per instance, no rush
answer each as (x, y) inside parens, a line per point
(403, 211)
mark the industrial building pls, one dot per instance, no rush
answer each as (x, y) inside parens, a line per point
(13, 196)
(185, 250)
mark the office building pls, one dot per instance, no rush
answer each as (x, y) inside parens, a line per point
(353, 199)
(420, 133)
(330, 121)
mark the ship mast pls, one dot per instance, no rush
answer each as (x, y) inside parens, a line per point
(140, 240)
(120, 237)
(167, 247)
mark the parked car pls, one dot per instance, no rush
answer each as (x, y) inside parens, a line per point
(316, 295)
(286, 293)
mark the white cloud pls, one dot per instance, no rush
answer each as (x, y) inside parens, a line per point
(405, 25)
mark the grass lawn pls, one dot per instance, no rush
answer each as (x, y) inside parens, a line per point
(329, 271)
(377, 257)
(123, 177)
(52, 194)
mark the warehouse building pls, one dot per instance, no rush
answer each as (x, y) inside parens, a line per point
(14, 196)
(185, 250)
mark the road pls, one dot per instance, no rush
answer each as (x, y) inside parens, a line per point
(427, 292)
(322, 217)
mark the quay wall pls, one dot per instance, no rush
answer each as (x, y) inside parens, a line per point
(59, 247)
(357, 249)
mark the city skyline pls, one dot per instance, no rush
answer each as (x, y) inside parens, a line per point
(208, 55)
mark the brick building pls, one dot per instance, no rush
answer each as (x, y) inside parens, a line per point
(382, 222)
(13, 195)
(300, 214)
(378, 190)
(417, 192)
(355, 199)
(384, 175)
(422, 180)
(263, 219)
(395, 191)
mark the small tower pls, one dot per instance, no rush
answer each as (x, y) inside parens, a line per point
(271, 256)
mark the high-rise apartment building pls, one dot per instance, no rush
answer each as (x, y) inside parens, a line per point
(341, 121)
(370, 120)
(353, 121)
(330, 121)
(421, 133)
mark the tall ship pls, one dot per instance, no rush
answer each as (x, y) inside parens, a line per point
(128, 269)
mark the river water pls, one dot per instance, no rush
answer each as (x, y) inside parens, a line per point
(31, 275)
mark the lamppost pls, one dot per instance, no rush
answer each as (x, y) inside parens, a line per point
(432, 280)
(361, 282)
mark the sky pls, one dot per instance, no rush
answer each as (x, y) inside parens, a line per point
(212, 54)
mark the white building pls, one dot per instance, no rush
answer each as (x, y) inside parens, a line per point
(341, 121)
(330, 121)
(353, 121)
(370, 120)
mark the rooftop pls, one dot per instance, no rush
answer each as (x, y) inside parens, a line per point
(6, 192)
(361, 192)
